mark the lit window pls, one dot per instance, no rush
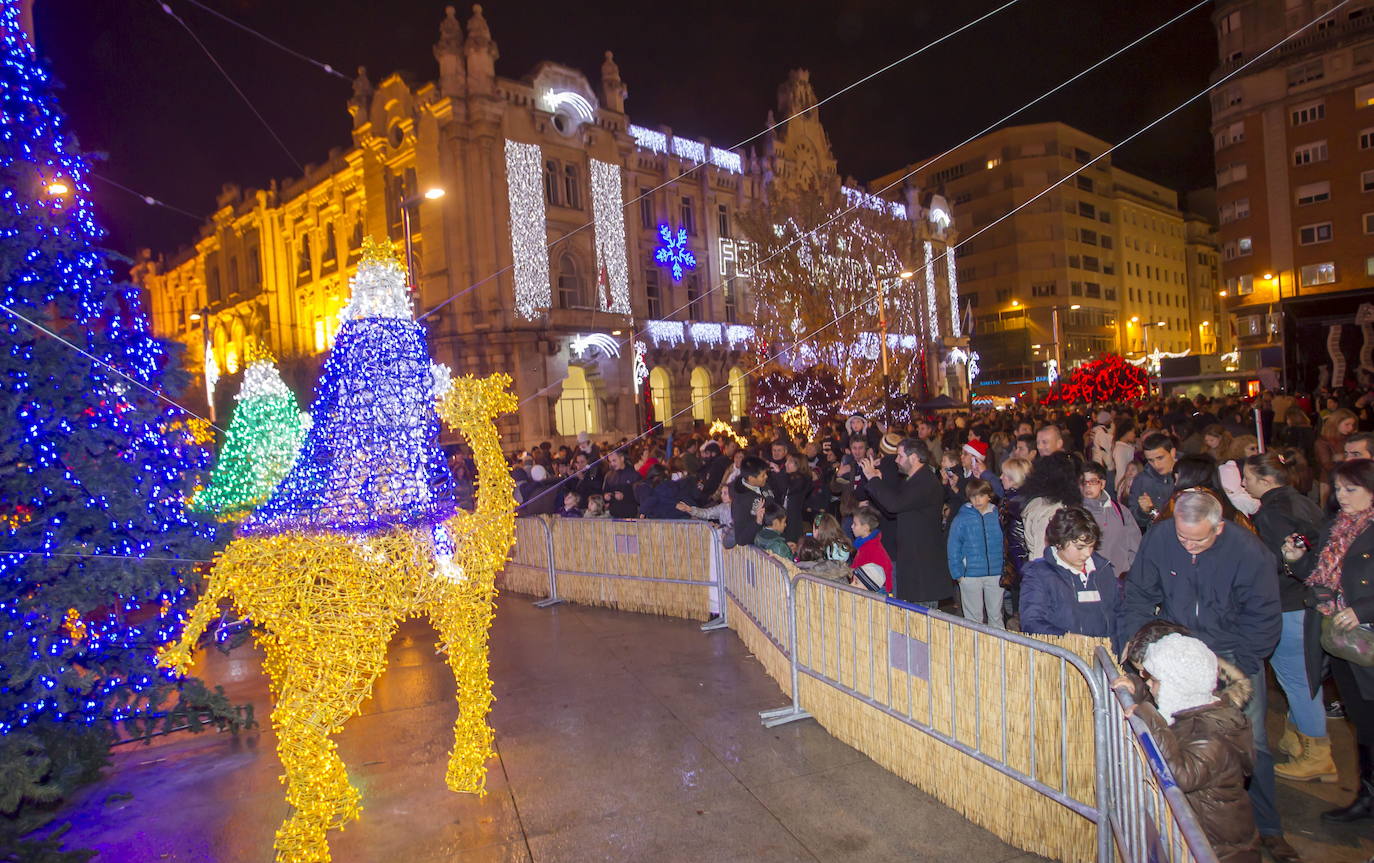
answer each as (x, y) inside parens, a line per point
(994, 162)
(1244, 246)
(1364, 96)
(1318, 274)
(1369, 266)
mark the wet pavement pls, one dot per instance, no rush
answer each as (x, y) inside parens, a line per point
(621, 737)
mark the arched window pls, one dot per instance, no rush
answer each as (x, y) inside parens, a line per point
(221, 346)
(701, 394)
(303, 265)
(233, 352)
(571, 291)
(577, 409)
(739, 394)
(659, 386)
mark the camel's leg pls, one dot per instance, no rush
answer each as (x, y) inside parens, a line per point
(463, 621)
(325, 683)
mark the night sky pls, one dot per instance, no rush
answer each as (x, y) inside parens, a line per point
(142, 95)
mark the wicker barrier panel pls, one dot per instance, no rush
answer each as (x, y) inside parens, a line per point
(612, 563)
(959, 682)
(756, 585)
(527, 571)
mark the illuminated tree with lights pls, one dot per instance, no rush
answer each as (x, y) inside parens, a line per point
(98, 548)
(260, 444)
(818, 258)
(1109, 378)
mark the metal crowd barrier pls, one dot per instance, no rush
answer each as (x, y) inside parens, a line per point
(1021, 707)
(1151, 819)
(656, 566)
(1000, 698)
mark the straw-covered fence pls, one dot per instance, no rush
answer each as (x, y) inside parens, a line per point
(527, 571)
(758, 580)
(589, 554)
(962, 683)
(868, 668)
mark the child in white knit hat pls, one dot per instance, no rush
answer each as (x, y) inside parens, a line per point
(1205, 739)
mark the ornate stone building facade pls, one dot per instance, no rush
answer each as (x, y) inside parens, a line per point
(568, 249)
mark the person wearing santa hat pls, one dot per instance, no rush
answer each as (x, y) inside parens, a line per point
(974, 459)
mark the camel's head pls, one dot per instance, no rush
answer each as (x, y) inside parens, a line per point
(477, 400)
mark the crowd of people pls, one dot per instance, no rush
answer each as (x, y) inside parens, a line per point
(1206, 538)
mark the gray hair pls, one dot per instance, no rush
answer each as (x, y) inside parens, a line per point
(1195, 506)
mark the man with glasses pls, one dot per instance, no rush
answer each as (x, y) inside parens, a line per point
(1221, 582)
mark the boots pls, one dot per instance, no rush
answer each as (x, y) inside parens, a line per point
(1289, 744)
(1363, 807)
(1313, 762)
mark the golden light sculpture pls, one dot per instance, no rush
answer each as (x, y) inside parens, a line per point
(724, 429)
(328, 604)
(797, 421)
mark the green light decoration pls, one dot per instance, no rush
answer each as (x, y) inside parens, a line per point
(260, 446)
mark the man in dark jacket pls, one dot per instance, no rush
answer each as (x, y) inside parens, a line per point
(1153, 486)
(922, 572)
(748, 497)
(717, 460)
(1218, 580)
(619, 486)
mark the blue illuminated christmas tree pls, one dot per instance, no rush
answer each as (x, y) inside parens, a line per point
(96, 547)
(371, 459)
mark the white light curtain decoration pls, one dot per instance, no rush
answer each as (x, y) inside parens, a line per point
(952, 276)
(609, 217)
(932, 308)
(211, 372)
(668, 333)
(528, 236)
(702, 335)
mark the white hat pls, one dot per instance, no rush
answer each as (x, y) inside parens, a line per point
(1187, 673)
(538, 474)
(583, 437)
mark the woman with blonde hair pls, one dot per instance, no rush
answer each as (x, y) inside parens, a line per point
(1229, 472)
(1217, 440)
(1330, 446)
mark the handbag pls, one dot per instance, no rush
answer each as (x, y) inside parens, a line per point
(1354, 645)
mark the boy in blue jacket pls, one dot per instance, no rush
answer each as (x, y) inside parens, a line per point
(1072, 588)
(975, 554)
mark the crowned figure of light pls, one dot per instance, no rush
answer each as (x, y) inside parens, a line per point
(371, 458)
(261, 443)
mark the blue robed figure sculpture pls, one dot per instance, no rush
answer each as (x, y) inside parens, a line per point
(372, 458)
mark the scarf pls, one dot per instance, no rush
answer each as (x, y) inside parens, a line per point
(1328, 571)
(859, 541)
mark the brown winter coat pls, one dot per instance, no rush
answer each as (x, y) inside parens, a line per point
(1211, 752)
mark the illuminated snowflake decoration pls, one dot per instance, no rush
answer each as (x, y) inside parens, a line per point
(673, 253)
(641, 364)
(974, 368)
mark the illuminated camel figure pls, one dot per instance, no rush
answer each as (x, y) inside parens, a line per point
(328, 602)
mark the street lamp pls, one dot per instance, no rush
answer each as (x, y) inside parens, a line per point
(432, 194)
(905, 276)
